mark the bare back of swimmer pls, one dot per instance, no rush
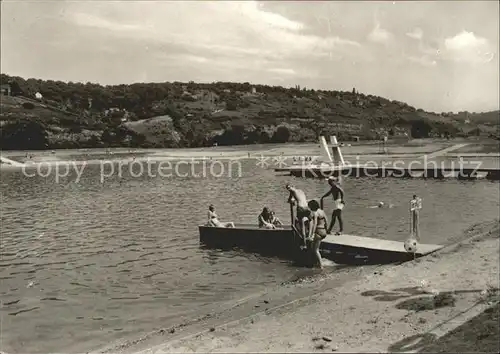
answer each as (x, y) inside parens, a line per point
(298, 197)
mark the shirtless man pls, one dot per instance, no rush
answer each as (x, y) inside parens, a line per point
(338, 198)
(298, 197)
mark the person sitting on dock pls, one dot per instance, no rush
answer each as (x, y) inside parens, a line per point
(298, 197)
(213, 219)
(265, 219)
(275, 221)
(317, 229)
(338, 198)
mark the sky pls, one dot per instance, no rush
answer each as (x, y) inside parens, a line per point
(439, 56)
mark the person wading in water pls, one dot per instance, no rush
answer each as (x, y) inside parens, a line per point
(338, 198)
(317, 229)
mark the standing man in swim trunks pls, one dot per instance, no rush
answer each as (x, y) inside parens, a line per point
(298, 197)
(338, 198)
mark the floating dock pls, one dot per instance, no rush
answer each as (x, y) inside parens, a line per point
(283, 243)
(325, 171)
(351, 249)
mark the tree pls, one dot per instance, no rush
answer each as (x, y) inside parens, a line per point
(235, 135)
(420, 129)
(24, 135)
(16, 89)
(282, 135)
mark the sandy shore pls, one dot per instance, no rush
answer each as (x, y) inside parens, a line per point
(397, 308)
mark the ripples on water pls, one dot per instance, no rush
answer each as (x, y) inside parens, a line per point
(84, 264)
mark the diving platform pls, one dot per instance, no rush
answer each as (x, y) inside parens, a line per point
(284, 243)
(334, 165)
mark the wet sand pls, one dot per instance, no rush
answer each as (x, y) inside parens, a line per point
(420, 305)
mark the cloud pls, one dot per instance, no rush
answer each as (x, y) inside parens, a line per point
(89, 20)
(467, 47)
(417, 33)
(272, 19)
(285, 71)
(194, 58)
(464, 40)
(423, 60)
(380, 35)
(228, 28)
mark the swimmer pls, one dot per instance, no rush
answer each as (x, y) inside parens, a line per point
(298, 197)
(382, 205)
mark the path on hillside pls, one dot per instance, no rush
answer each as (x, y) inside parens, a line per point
(444, 151)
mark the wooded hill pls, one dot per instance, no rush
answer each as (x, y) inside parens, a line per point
(43, 114)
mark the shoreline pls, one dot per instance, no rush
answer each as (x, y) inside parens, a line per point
(299, 316)
(417, 149)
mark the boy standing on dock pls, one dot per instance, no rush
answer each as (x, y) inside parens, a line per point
(415, 207)
(338, 198)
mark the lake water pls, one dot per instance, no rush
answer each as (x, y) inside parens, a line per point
(84, 264)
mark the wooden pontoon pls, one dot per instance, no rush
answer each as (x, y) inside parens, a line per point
(284, 243)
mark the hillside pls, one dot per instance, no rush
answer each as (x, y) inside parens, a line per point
(70, 115)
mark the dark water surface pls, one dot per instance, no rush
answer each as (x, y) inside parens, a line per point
(88, 263)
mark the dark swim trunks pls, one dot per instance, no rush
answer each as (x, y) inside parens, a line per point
(303, 213)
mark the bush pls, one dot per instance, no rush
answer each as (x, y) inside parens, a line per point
(188, 98)
(231, 105)
(420, 129)
(282, 135)
(75, 129)
(28, 105)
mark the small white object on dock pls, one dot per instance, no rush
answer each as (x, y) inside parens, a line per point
(376, 244)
